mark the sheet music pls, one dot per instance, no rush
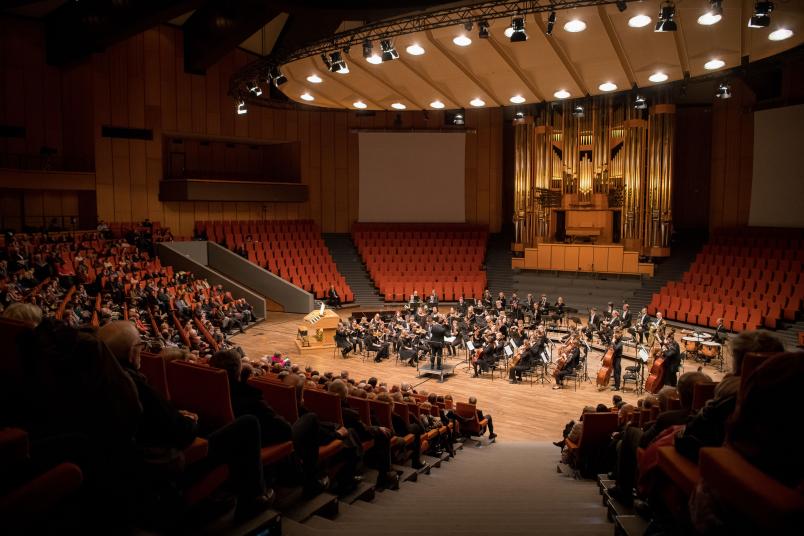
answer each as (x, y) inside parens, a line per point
(470, 346)
(449, 339)
(508, 351)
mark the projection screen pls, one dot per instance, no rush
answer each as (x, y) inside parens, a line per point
(777, 186)
(412, 177)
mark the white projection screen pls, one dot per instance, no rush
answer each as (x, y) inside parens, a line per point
(412, 177)
(777, 186)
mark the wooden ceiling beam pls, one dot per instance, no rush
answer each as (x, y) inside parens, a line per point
(614, 39)
(562, 55)
(451, 101)
(355, 64)
(506, 57)
(459, 64)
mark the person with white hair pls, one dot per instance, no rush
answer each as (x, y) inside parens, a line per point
(24, 312)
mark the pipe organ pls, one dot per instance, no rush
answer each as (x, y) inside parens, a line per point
(614, 160)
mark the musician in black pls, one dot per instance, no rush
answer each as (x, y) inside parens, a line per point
(503, 301)
(609, 312)
(593, 325)
(377, 342)
(432, 300)
(462, 306)
(333, 300)
(342, 339)
(487, 357)
(573, 357)
(672, 358)
(487, 301)
(720, 332)
(527, 359)
(641, 326)
(617, 357)
(414, 299)
(437, 332)
(627, 318)
(544, 306)
(513, 304)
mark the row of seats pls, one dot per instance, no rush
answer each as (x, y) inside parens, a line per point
(706, 313)
(761, 260)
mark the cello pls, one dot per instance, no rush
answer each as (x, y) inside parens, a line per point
(604, 374)
(655, 379)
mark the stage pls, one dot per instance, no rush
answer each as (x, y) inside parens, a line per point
(521, 412)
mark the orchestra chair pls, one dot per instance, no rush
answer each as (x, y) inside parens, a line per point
(702, 393)
(576, 374)
(760, 503)
(596, 432)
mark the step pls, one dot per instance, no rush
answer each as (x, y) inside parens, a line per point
(630, 525)
(325, 505)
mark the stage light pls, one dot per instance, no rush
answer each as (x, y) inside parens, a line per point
(458, 119)
(517, 99)
(621, 5)
(509, 32)
(519, 115)
(551, 22)
(389, 53)
(714, 14)
(666, 14)
(780, 35)
(314, 79)
(639, 21)
(762, 12)
(477, 102)
(607, 86)
(577, 111)
(640, 103)
(575, 26)
(561, 94)
(483, 29)
(723, 91)
(360, 105)
(335, 63)
(468, 26)
(374, 59)
(398, 106)
(518, 25)
(307, 97)
(368, 49)
(415, 50)
(658, 77)
(241, 107)
(711, 65)
(437, 104)
(462, 41)
(276, 75)
(254, 88)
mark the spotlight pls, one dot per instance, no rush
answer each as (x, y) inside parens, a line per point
(761, 17)
(458, 119)
(241, 107)
(666, 22)
(468, 26)
(326, 61)
(551, 22)
(276, 75)
(368, 49)
(518, 25)
(389, 53)
(519, 115)
(723, 91)
(640, 103)
(483, 29)
(337, 64)
(254, 88)
(577, 111)
(621, 5)
(714, 14)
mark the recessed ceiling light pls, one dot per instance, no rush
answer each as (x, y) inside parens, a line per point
(780, 35)
(711, 65)
(314, 79)
(517, 99)
(657, 77)
(437, 104)
(575, 25)
(561, 94)
(307, 97)
(709, 18)
(509, 32)
(639, 21)
(462, 41)
(607, 86)
(374, 59)
(415, 50)
(476, 102)
(398, 106)
(359, 104)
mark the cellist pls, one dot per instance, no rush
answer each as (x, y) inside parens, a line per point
(572, 359)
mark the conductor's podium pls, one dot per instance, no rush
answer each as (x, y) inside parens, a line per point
(318, 331)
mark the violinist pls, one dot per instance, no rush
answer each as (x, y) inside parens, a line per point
(617, 357)
(672, 358)
(342, 339)
(572, 358)
(487, 357)
(514, 305)
(462, 306)
(487, 300)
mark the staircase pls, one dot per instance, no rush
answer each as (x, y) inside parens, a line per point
(498, 264)
(501, 489)
(351, 267)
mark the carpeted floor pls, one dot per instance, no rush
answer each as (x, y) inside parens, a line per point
(501, 489)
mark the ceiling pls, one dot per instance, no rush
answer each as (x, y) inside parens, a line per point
(494, 70)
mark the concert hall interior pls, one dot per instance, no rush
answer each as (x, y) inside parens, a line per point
(410, 267)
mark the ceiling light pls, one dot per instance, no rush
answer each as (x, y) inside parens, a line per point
(276, 75)
(577, 111)
(307, 97)
(374, 59)
(241, 107)
(607, 86)
(336, 63)
(517, 99)
(483, 29)
(509, 32)
(368, 49)
(458, 119)
(360, 105)
(575, 26)
(714, 14)
(640, 103)
(437, 104)
(389, 53)
(415, 50)
(561, 94)
(462, 41)
(518, 25)
(551, 22)
(723, 91)
(780, 35)
(639, 21)
(761, 17)
(657, 77)
(254, 88)
(477, 102)
(398, 106)
(519, 115)
(314, 79)
(711, 65)
(666, 22)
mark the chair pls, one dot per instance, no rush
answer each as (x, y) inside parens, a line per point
(597, 429)
(152, 366)
(702, 392)
(472, 426)
(281, 397)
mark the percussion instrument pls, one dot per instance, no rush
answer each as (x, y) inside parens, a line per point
(691, 344)
(711, 349)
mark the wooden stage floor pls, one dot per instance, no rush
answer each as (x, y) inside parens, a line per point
(521, 412)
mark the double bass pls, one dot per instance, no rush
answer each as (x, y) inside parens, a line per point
(655, 379)
(604, 374)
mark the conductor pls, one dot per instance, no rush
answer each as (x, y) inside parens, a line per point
(437, 332)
